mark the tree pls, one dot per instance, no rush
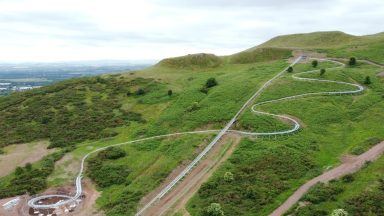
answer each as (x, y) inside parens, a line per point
(228, 177)
(322, 72)
(315, 63)
(339, 212)
(290, 69)
(211, 82)
(170, 92)
(28, 166)
(367, 80)
(214, 210)
(352, 61)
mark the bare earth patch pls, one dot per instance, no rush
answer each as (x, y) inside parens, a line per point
(21, 154)
(381, 74)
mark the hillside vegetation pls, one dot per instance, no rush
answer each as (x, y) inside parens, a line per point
(201, 92)
(333, 125)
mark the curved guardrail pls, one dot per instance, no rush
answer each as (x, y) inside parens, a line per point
(296, 126)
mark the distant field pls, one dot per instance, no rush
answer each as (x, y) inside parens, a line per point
(21, 80)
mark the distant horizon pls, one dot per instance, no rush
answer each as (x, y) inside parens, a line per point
(57, 31)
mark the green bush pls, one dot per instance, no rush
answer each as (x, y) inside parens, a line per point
(367, 80)
(315, 63)
(140, 91)
(348, 178)
(352, 61)
(322, 192)
(211, 82)
(367, 203)
(112, 153)
(214, 210)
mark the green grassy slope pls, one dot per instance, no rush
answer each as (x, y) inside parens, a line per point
(81, 115)
(335, 44)
(83, 110)
(201, 60)
(333, 125)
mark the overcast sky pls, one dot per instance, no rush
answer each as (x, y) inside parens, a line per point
(64, 30)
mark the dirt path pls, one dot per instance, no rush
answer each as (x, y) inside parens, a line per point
(176, 200)
(349, 166)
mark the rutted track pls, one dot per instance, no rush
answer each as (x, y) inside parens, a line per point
(296, 126)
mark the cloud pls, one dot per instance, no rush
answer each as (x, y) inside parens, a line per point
(46, 30)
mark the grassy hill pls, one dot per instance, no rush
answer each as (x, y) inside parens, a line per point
(201, 60)
(334, 44)
(80, 115)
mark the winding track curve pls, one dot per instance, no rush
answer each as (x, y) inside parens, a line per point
(296, 126)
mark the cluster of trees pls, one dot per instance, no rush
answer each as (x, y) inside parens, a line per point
(30, 179)
(211, 82)
(105, 173)
(67, 112)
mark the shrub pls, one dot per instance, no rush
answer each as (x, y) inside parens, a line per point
(112, 153)
(28, 166)
(214, 210)
(322, 71)
(352, 61)
(19, 171)
(348, 178)
(195, 106)
(105, 175)
(315, 63)
(211, 82)
(204, 90)
(170, 92)
(339, 212)
(290, 69)
(367, 80)
(228, 177)
(140, 91)
(322, 192)
(381, 184)
(366, 202)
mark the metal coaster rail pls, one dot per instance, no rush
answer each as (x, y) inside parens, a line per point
(220, 133)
